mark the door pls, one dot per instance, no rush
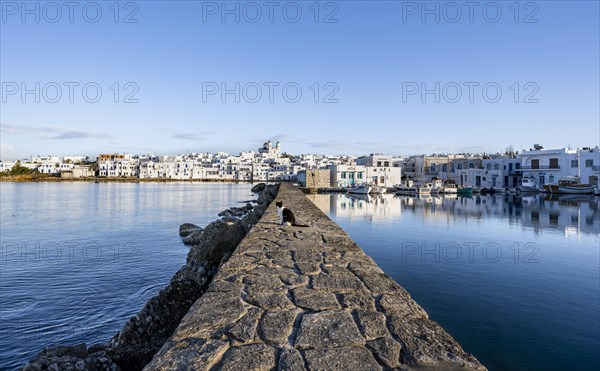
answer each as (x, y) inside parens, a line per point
(478, 181)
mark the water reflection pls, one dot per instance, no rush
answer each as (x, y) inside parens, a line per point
(570, 214)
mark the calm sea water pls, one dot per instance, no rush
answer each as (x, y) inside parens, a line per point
(514, 279)
(79, 259)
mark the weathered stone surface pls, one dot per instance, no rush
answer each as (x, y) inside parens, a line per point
(372, 324)
(341, 359)
(224, 286)
(245, 329)
(291, 298)
(379, 283)
(401, 305)
(218, 310)
(328, 329)
(337, 282)
(386, 350)
(271, 301)
(315, 300)
(290, 360)
(190, 354)
(358, 300)
(293, 280)
(427, 344)
(276, 326)
(249, 357)
(308, 268)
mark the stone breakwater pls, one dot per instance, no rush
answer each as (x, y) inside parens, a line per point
(293, 298)
(146, 332)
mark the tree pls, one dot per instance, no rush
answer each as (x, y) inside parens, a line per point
(510, 151)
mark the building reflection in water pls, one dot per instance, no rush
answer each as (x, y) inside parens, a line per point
(570, 214)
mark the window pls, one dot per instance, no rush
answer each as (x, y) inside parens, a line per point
(432, 168)
(459, 166)
(553, 163)
(471, 165)
(343, 175)
(359, 175)
(378, 163)
(535, 164)
(444, 167)
(386, 164)
(496, 166)
(489, 166)
(574, 163)
(589, 163)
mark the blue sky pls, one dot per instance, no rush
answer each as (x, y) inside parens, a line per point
(367, 58)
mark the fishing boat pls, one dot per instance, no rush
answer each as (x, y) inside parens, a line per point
(465, 191)
(528, 184)
(572, 185)
(450, 187)
(363, 189)
(437, 186)
(407, 187)
(424, 189)
(378, 190)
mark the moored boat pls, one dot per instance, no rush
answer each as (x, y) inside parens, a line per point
(528, 184)
(406, 187)
(363, 189)
(437, 186)
(378, 190)
(465, 191)
(450, 188)
(424, 189)
(572, 185)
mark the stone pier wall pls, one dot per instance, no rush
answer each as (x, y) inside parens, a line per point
(293, 298)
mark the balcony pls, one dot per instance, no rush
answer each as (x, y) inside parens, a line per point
(541, 167)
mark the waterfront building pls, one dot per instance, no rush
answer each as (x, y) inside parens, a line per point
(77, 171)
(548, 166)
(348, 175)
(6, 166)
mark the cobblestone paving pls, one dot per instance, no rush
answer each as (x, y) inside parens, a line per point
(293, 298)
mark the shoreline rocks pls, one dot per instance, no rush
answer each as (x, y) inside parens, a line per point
(145, 333)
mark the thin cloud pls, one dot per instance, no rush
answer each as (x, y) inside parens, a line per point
(197, 137)
(52, 132)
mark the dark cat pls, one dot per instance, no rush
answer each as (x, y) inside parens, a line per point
(286, 216)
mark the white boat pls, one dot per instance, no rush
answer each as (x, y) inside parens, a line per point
(528, 184)
(437, 186)
(424, 189)
(571, 185)
(450, 188)
(407, 187)
(378, 190)
(362, 189)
